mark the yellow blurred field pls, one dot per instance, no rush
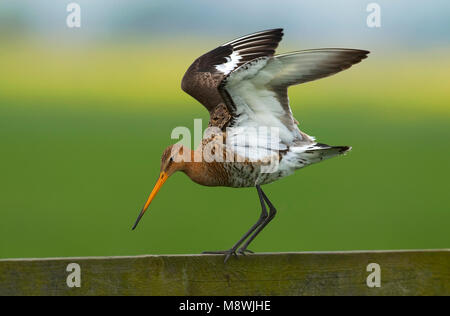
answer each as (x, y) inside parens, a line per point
(149, 76)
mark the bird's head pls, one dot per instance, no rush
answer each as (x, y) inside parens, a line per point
(173, 159)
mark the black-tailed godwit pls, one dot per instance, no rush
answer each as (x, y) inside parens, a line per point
(244, 85)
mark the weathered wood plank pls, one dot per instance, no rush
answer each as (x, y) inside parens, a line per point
(418, 272)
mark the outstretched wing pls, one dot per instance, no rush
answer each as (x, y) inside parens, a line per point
(256, 92)
(203, 77)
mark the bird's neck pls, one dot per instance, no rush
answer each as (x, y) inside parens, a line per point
(202, 172)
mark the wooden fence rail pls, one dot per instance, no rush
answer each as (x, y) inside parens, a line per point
(415, 272)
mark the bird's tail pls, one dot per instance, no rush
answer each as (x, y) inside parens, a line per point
(318, 152)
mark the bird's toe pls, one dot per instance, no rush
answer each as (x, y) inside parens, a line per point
(244, 252)
(228, 253)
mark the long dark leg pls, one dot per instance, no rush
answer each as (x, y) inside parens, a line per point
(272, 213)
(262, 218)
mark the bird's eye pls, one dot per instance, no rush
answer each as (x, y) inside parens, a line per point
(171, 159)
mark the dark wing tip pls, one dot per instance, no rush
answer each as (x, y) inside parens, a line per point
(267, 39)
(269, 32)
(355, 51)
(350, 56)
(363, 53)
(360, 55)
(276, 31)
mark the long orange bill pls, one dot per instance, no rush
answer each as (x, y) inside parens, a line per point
(162, 178)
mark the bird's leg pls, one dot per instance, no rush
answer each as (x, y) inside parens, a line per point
(262, 218)
(272, 213)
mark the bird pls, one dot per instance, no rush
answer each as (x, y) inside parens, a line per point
(243, 85)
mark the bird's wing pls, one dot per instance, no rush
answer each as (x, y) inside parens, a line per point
(203, 77)
(256, 92)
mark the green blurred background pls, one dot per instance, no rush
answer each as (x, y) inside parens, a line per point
(86, 113)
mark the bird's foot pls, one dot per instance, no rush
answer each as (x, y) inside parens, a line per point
(244, 251)
(228, 253)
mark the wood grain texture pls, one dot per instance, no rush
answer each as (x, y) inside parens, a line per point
(415, 272)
